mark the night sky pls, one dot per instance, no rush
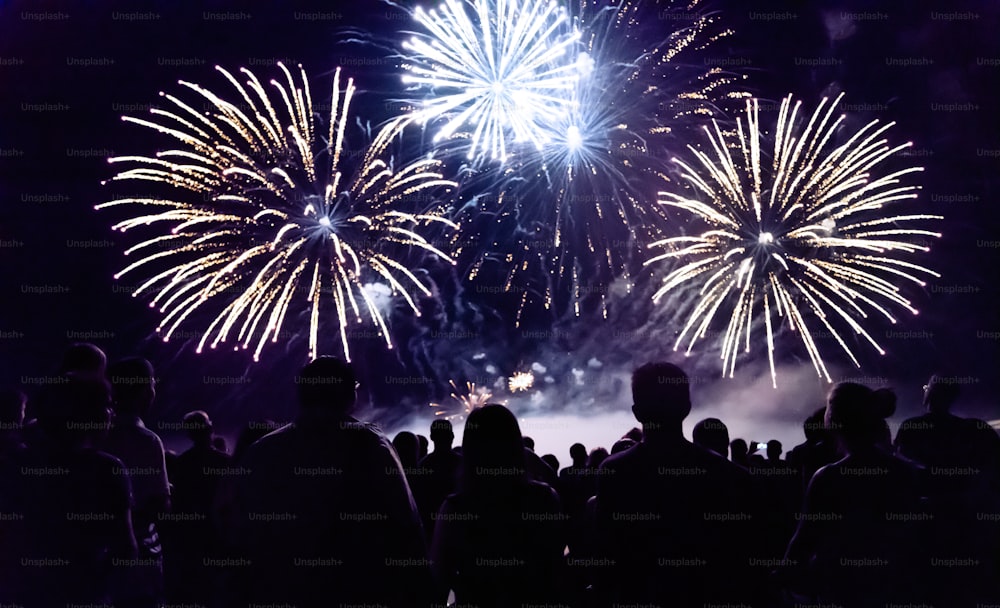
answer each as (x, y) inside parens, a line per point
(68, 71)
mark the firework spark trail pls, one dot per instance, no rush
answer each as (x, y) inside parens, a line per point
(574, 211)
(262, 218)
(499, 67)
(463, 403)
(802, 238)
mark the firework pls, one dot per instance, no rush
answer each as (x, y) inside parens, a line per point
(520, 381)
(263, 219)
(794, 237)
(497, 67)
(462, 403)
(571, 215)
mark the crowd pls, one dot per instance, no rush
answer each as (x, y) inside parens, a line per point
(326, 511)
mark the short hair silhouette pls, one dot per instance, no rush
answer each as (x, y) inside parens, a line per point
(660, 393)
(529, 443)
(198, 426)
(814, 426)
(132, 384)
(441, 430)
(773, 449)
(83, 358)
(597, 456)
(711, 434)
(552, 461)
(327, 382)
(941, 393)
(578, 452)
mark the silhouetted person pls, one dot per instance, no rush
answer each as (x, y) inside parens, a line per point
(498, 541)
(635, 434)
(529, 443)
(672, 518)
(711, 434)
(773, 451)
(326, 517)
(83, 358)
(859, 537)
(73, 543)
(424, 447)
(551, 460)
(192, 536)
(133, 389)
(439, 474)
(79, 359)
(818, 450)
(739, 453)
(408, 449)
(960, 457)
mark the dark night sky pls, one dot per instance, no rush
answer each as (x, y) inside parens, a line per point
(52, 161)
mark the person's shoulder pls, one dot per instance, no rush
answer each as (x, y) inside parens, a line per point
(922, 422)
(276, 440)
(539, 489)
(99, 462)
(624, 459)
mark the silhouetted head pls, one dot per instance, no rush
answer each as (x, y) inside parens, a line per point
(578, 452)
(774, 450)
(83, 358)
(327, 383)
(856, 414)
(940, 394)
(198, 426)
(407, 448)
(739, 451)
(492, 448)
(133, 386)
(597, 456)
(815, 426)
(621, 445)
(711, 434)
(442, 434)
(552, 461)
(75, 411)
(660, 395)
(12, 402)
(423, 445)
(529, 443)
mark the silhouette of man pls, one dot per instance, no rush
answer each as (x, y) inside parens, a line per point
(860, 534)
(711, 434)
(671, 516)
(73, 540)
(193, 535)
(816, 451)
(960, 457)
(739, 453)
(440, 471)
(141, 451)
(326, 517)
